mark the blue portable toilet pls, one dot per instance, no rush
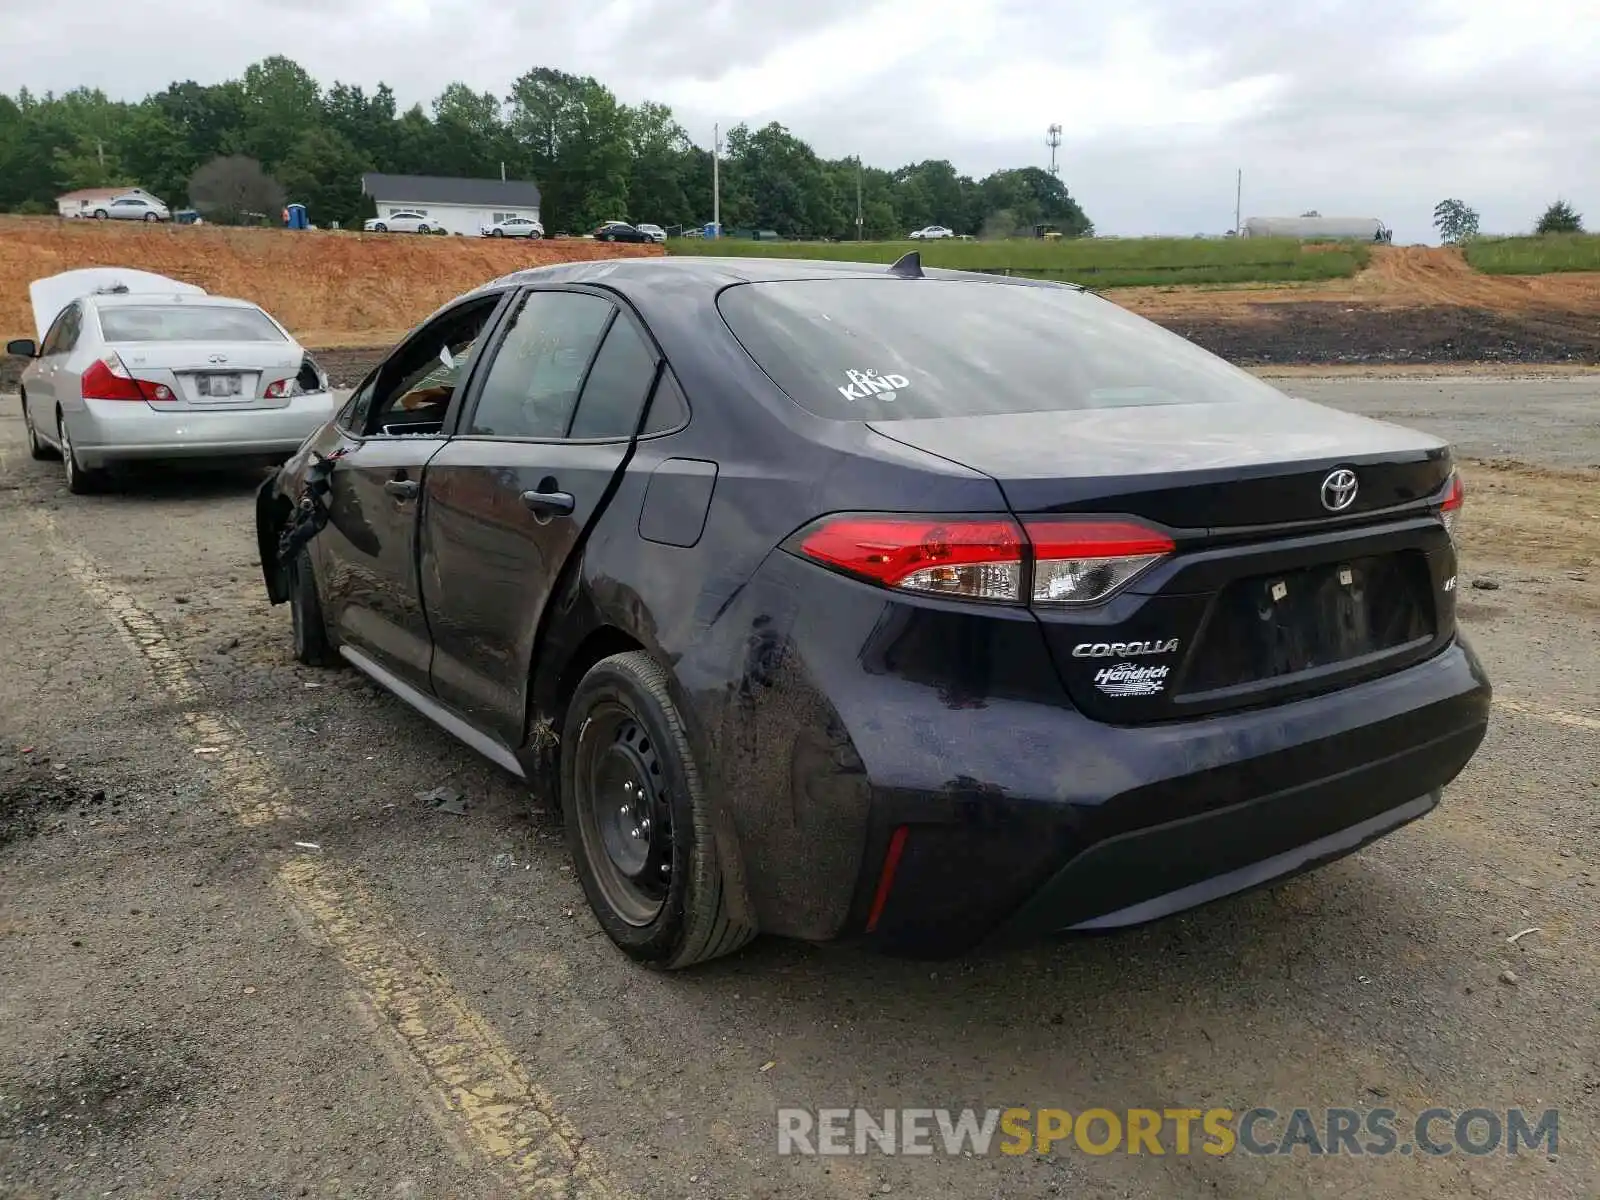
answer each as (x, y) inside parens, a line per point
(711, 230)
(297, 217)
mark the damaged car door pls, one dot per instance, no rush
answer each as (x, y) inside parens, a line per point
(366, 557)
(537, 447)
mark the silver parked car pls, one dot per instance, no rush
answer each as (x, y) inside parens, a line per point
(133, 366)
(132, 208)
(524, 227)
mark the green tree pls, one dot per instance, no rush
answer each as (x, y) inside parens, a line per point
(323, 171)
(1560, 217)
(1455, 221)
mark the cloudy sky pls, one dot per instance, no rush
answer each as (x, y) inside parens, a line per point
(1364, 108)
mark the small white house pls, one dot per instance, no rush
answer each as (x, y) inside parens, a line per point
(85, 201)
(461, 206)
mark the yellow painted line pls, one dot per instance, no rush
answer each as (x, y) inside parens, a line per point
(1555, 716)
(473, 1076)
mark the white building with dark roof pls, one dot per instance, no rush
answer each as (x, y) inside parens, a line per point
(461, 206)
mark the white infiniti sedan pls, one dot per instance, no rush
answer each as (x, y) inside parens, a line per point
(133, 366)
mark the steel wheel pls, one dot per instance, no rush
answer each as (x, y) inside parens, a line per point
(623, 814)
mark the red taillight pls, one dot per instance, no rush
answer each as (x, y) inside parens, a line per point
(278, 389)
(1451, 508)
(107, 379)
(1072, 560)
(1081, 561)
(973, 558)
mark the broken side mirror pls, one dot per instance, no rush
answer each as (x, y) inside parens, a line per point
(22, 348)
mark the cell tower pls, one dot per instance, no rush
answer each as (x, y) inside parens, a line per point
(1053, 139)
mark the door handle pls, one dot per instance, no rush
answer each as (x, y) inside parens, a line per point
(403, 489)
(549, 503)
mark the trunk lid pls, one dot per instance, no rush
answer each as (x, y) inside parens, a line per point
(1268, 595)
(1190, 466)
(50, 295)
(212, 375)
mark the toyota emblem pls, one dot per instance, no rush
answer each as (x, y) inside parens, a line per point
(1339, 490)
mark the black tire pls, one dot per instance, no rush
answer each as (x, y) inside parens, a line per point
(497, 233)
(624, 738)
(80, 480)
(312, 645)
(37, 450)
(101, 214)
(380, 227)
(151, 217)
(609, 237)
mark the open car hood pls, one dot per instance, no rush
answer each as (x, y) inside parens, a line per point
(52, 294)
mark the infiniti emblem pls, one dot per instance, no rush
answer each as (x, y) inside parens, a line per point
(218, 358)
(1339, 490)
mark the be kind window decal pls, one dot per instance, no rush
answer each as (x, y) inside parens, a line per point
(869, 383)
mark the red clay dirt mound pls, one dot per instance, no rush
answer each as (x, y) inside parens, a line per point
(330, 288)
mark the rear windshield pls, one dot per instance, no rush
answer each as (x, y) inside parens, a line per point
(186, 323)
(877, 349)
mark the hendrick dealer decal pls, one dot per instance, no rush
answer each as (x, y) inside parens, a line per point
(1130, 679)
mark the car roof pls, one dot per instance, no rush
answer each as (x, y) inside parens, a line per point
(631, 275)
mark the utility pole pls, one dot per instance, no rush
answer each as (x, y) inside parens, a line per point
(716, 179)
(1238, 193)
(860, 225)
(100, 152)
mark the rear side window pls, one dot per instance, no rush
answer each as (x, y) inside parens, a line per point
(532, 384)
(186, 323)
(881, 349)
(615, 390)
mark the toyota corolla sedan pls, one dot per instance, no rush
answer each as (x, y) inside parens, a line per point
(134, 367)
(919, 608)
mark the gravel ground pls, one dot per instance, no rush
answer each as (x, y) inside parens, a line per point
(194, 1004)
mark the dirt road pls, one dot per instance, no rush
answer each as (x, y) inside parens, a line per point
(240, 957)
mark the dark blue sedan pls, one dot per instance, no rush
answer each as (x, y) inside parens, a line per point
(843, 601)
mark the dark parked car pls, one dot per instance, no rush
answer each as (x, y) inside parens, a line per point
(616, 231)
(933, 610)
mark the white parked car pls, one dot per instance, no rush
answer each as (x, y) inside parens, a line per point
(655, 231)
(401, 222)
(131, 208)
(523, 227)
(134, 366)
(932, 231)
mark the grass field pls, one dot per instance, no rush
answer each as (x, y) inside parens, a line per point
(1536, 255)
(1096, 262)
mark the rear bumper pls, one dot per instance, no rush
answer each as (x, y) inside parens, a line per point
(1208, 810)
(853, 716)
(106, 432)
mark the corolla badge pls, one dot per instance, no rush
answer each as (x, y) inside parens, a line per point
(1339, 490)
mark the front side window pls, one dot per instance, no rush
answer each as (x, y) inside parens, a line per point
(415, 387)
(58, 327)
(186, 323)
(532, 385)
(875, 348)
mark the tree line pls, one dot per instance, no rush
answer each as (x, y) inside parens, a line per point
(593, 157)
